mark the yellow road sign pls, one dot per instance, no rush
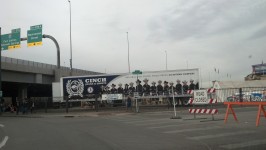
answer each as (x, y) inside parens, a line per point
(14, 46)
(34, 44)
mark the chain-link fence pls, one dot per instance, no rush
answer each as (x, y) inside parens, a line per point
(241, 94)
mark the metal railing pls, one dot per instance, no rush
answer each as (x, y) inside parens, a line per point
(248, 94)
(16, 61)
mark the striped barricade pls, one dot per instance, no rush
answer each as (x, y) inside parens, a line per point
(209, 91)
(210, 101)
(203, 111)
(202, 97)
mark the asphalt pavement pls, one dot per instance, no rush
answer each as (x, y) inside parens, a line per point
(127, 130)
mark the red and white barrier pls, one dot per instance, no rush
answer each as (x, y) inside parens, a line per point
(190, 91)
(190, 101)
(211, 90)
(210, 101)
(203, 111)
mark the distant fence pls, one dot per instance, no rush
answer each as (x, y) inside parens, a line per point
(241, 94)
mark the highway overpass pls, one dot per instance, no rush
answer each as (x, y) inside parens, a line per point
(23, 78)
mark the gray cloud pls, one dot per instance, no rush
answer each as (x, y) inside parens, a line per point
(199, 19)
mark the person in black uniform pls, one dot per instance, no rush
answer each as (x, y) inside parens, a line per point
(139, 88)
(197, 85)
(126, 89)
(159, 88)
(113, 89)
(171, 88)
(171, 91)
(192, 86)
(153, 91)
(131, 89)
(120, 90)
(146, 90)
(178, 87)
(107, 90)
(178, 90)
(166, 88)
(185, 87)
(146, 87)
(166, 92)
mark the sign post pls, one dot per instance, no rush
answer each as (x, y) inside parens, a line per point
(34, 36)
(174, 103)
(136, 94)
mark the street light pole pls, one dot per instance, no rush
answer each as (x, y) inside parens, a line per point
(0, 65)
(1, 101)
(70, 38)
(166, 60)
(128, 54)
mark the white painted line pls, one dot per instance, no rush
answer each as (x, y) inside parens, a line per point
(1, 125)
(166, 126)
(174, 125)
(244, 144)
(194, 129)
(3, 143)
(145, 120)
(219, 135)
(122, 120)
(154, 123)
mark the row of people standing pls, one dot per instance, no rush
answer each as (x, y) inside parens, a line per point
(147, 90)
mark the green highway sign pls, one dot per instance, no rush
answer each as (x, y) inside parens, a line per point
(137, 72)
(11, 41)
(34, 36)
(15, 30)
(36, 27)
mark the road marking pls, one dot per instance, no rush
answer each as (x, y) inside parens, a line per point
(125, 119)
(219, 135)
(166, 126)
(1, 125)
(144, 120)
(174, 125)
(3, 143)
(194, 129)
(244, 144)
(154, 123)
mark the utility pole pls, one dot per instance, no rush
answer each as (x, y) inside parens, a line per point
(70, 38)
(0, 66)
(166, 60)
(128, 54)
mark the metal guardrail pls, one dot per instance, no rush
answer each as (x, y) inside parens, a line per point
(40, 65)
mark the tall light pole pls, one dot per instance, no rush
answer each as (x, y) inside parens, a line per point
(70, 38)
(166, 60)
(0, 67)
(128, 54)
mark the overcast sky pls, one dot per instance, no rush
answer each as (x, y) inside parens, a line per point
(229, 35)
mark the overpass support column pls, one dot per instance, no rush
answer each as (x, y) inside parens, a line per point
(58, 75)
(22, 92)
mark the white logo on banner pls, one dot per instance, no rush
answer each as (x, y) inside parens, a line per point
(75, 88)
(90, 89)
